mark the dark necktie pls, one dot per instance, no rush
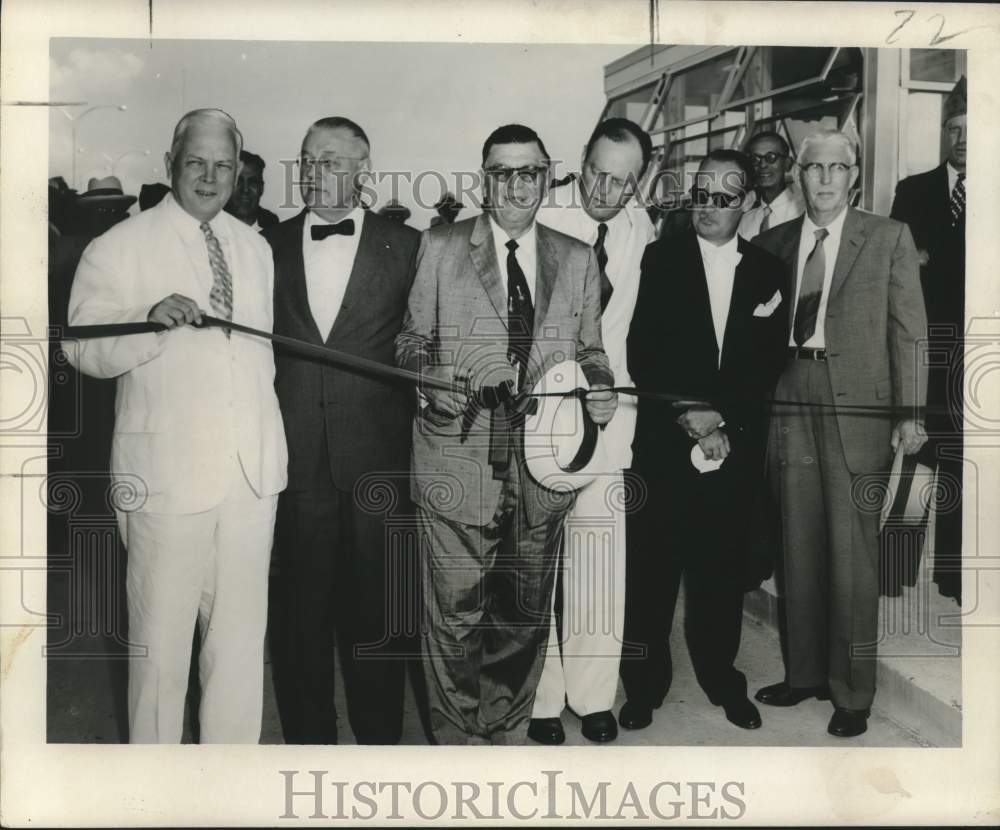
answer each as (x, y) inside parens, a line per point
(607, 289)
(811, 290)
(766, 223)
(221, 295)
(321, 232)
(520, 313)
(957, 205)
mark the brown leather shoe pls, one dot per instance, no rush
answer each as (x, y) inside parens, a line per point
(781, 694)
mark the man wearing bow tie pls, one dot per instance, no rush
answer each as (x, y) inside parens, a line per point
(342, 276)
(710, 321)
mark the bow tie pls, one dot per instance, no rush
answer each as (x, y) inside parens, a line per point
(321, 232)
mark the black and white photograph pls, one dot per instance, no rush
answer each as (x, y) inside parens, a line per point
(618, 395)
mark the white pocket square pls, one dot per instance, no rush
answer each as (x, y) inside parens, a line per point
(767, 309)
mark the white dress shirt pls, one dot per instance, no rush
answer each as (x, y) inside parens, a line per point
(831, 247)
(328, 264)
(526, 253)
(720, 263)
(629, 232)
(786, 206)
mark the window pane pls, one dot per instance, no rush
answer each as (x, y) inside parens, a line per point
(923, 131)
(933, 65)
(633, 106)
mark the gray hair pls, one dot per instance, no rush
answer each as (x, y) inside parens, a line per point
(823, 136)
(217, 116)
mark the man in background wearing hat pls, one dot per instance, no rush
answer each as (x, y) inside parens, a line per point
(858, 329)
(102, 206)
(779, 200)
(244, 204)
(933, 205)
(597, 208)
(448, 208)
(711, 321)
(497, 299)
(342, 278)
(199, 451)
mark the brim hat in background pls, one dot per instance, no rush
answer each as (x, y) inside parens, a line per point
(955, 104)
(563, 448)
(106, 192)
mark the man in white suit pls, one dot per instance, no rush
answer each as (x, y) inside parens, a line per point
(597, 208)
(198, 447)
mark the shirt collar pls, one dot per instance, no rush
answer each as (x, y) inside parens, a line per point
(834, 229)
(623, 217)
(501, 238)
(719, 253)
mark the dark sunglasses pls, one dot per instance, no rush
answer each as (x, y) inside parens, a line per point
(702, 198)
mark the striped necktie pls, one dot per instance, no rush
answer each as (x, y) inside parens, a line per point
(767, 219)
(957, 205)
(810, 291)
(221, 296)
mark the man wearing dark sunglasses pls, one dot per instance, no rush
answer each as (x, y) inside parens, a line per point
(779, 200)
(711, 322)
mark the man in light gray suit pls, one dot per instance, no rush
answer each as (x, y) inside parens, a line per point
(858, 325)
(496, 298)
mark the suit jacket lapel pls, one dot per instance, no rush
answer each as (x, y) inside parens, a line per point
(740, 308)
(789, 254)
(357, 282)
(484, 258)
(702, 324)
(545, 279)
(852, 237)
(291, 271)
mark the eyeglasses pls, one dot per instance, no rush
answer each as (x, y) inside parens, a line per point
(329, 164)
(702, 199)
(527, 175)
(769, 157)
(815, 170)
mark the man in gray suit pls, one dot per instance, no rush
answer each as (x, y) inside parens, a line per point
(496, 298)
(858, 326)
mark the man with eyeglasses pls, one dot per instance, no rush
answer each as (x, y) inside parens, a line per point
(933, 205)
(581, 671)
(497, 299)
(198, 453)
(778, 199)
(711, 322)
(858, 327)
(342, 276)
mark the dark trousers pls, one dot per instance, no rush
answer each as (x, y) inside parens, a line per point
(693, 526)
(487, 601)
(831, 574)
(346, 570)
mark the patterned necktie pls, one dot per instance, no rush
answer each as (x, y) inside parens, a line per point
(221, 296)
(767, 219)
(520, 313)
(602, 262)
(957, 205)
(811, 290)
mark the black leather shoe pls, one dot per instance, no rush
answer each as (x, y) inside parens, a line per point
(546, 731)
(743, 713)
(635, 715)
(781, 694)
(600, 727)
(848, 723)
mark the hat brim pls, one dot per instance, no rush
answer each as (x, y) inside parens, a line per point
(104, 199)
(563, 449)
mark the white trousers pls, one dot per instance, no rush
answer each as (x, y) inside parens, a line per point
(211, 567)
(585, 676)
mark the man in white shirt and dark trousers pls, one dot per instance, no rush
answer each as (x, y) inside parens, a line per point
(581, 667)
(711, 321)
(779, 200)
(198, 449)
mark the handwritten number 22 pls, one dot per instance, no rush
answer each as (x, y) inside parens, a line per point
(936, 38)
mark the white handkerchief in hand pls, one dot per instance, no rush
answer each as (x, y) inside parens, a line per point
(702, 464)
(767, 309)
